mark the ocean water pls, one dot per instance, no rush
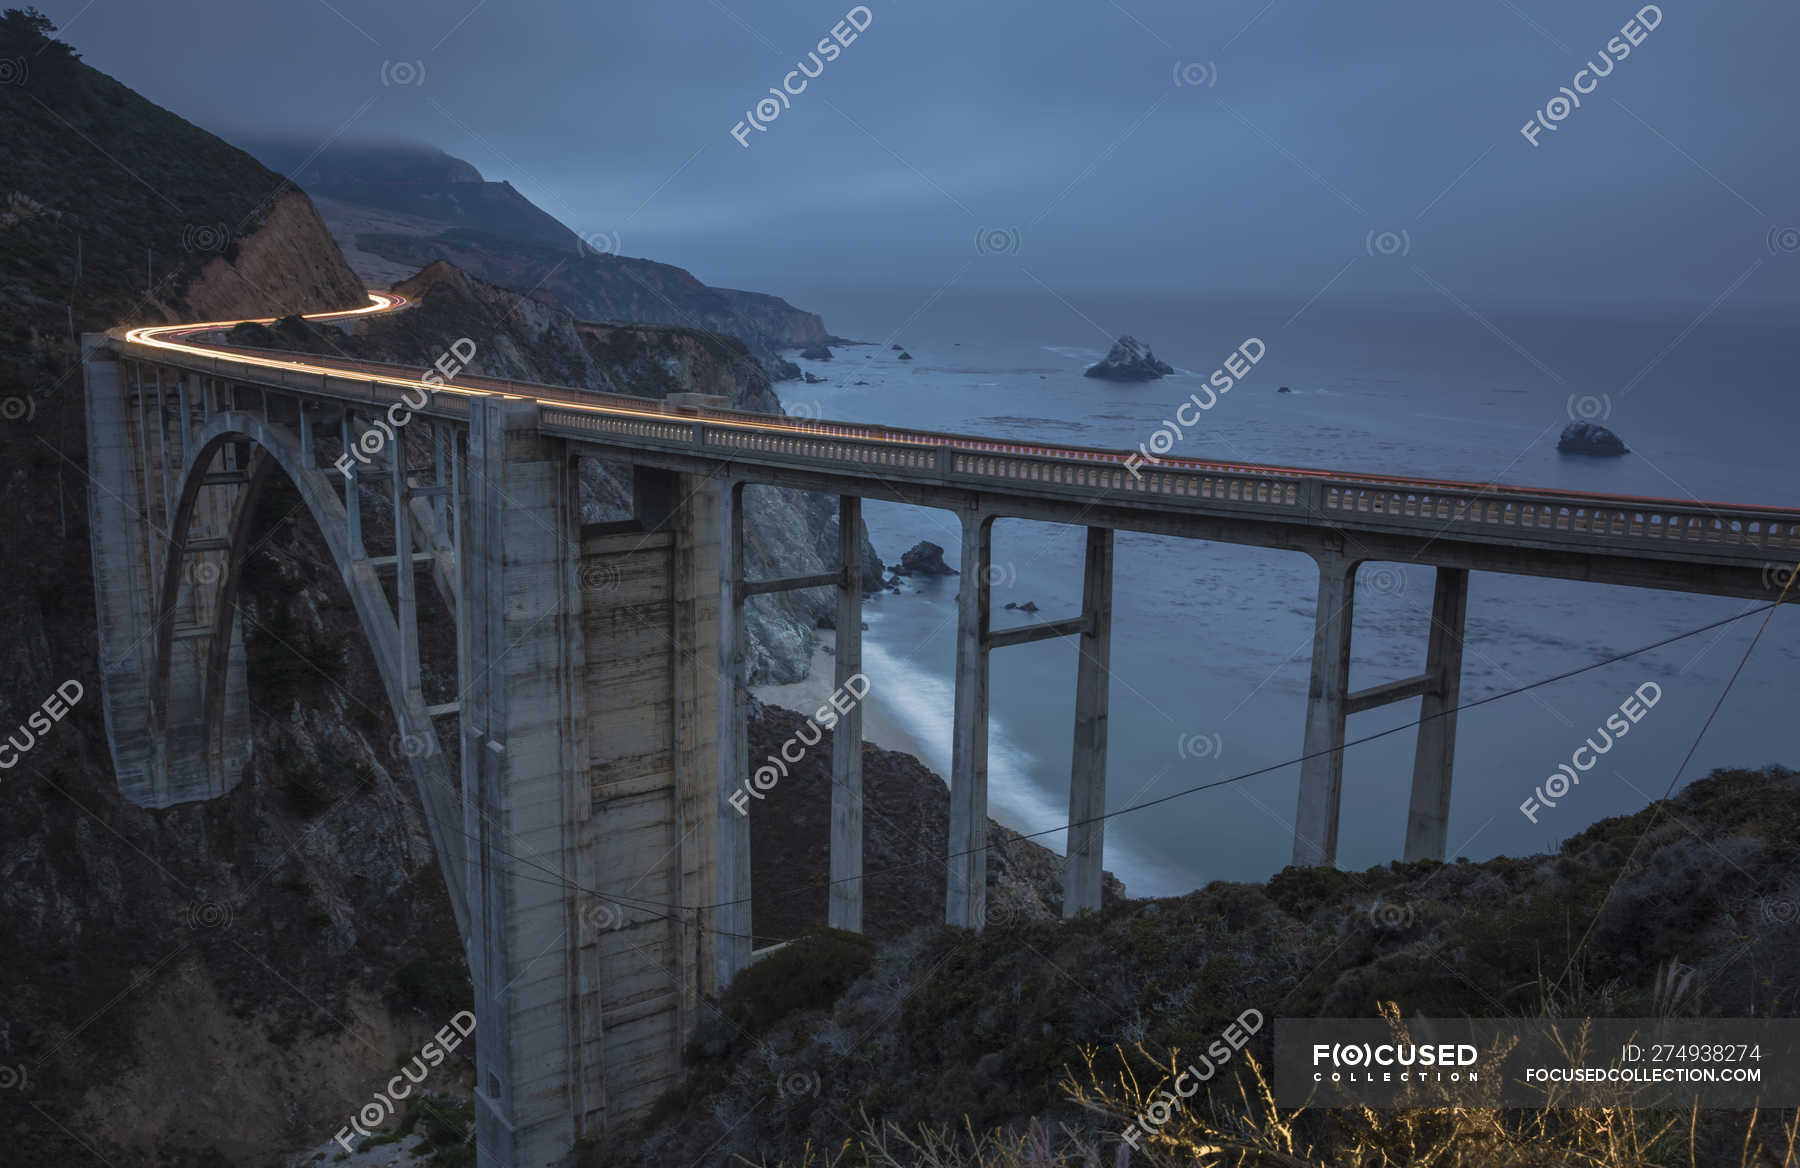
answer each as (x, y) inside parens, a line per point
(1211, 642)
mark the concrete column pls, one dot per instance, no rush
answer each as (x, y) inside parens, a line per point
(1428, 817)
(524, 786)
(1087, 767)
(122, 549)
(1322, 772)
(406, 605)
(965, 893)
(845, 911)
(352, 487)
(306, 433)
(733, 915)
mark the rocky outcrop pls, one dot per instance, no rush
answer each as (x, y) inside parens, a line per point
(397, 207)
(815, 353)
(1130, 360)
(1592, 439)
(288, 263)
(790, 533)
(924, 559)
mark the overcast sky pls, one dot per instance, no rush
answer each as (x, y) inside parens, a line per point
(1059, 132)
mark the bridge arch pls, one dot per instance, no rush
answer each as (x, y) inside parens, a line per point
(273, 447)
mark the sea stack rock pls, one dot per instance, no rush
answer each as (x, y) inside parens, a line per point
(816, 353)
(1588, 438)
(925, 559)
(1130, 360)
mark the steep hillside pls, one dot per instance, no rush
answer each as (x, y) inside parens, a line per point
(944, 1024)
(396, 207)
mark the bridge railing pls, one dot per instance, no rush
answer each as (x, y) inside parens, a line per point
(1591, 522)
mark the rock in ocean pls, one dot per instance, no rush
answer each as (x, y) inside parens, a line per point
(1588, 438)
(1130, 360)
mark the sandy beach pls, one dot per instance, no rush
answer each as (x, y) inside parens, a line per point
(880, 727)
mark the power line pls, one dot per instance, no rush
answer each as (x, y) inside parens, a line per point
(662, 911)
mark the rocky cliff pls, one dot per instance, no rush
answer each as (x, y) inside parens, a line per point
(396, 207)
(532, 338)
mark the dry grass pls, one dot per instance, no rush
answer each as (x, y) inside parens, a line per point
(1242, 1127)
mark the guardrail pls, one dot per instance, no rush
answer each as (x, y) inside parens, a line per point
(1295, 495)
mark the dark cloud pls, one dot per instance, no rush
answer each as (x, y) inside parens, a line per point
(1325, 126)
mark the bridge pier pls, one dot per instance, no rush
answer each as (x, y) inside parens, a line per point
(845, 907)
(1087, 766)
(1322, 768)
(1428, 816)
(733, 940)
(965, 891)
